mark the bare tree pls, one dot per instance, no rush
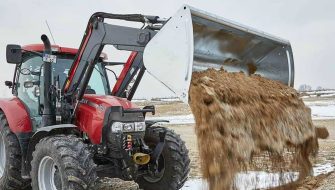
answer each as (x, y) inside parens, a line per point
(319, 88)
(304, 88)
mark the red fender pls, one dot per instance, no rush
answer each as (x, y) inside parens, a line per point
(16, 114)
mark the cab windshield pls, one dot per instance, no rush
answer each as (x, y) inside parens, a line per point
(33, 64)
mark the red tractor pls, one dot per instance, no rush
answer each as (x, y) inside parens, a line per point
(66, 125)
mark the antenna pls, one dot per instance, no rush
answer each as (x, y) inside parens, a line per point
(53, 39)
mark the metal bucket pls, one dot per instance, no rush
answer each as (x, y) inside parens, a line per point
(193, 40)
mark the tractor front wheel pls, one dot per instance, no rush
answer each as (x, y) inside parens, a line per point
(172, 168)
(10, 158)
(62, 162)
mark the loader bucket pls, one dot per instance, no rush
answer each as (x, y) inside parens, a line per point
(193, 40)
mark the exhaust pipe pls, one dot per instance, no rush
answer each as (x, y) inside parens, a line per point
(48, 117)
(141, 158)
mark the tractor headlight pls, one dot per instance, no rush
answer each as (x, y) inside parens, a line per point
(139, 126)
(128, 127)
(117, 127)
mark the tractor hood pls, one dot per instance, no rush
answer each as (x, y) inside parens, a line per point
(91, 113)
(104, 101)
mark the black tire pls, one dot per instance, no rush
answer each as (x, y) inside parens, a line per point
(73, 161)
(175, 158)
(11, 178)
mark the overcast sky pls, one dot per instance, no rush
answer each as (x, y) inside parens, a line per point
(309, 25)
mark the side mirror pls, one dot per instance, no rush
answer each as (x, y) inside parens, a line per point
(9, 84)
(14, 54)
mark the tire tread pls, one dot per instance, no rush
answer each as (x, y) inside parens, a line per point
(75, 159)
(12, 177)
(181, 162)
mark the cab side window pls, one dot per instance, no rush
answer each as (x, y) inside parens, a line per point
(27, 95)
(97, 84)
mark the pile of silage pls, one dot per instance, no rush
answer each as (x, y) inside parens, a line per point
(240, 117)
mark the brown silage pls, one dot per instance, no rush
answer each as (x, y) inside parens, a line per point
(240, 117)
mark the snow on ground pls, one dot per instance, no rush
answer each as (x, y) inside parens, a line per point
(323, 112)
(260, 180)
(320, 102)
(157, 100)
(175, 119)
(320, 110)
(195, 184)
(321, 92)
(327, 95)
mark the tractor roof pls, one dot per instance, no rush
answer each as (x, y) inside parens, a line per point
(58, 49)
(55, 48)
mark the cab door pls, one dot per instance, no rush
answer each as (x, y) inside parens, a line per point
(27, 86)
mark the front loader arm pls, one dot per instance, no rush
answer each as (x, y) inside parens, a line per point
(97, 35)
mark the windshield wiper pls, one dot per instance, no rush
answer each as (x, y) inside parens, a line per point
(107, 70)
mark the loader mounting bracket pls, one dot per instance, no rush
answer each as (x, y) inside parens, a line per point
(159, 148)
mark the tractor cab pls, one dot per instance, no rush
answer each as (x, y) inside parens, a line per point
(28, 79)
